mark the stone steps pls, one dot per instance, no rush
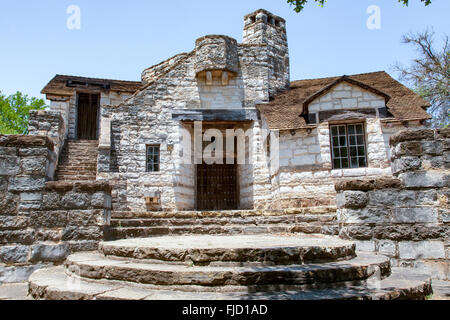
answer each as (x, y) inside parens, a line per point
(220, 221)
(126, 225)
(78, 161)
(194, 267)
(208, 250)
(144, 232)
(224, 213)
(96, 266)
(56, 284)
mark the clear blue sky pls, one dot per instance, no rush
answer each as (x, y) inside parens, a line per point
(118, 39)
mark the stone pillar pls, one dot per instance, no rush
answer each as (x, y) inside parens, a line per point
(406, 217)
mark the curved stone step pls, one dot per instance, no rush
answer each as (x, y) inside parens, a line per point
(55, 284)
(201, 250)
(233, 229)
(255, 220)
(317, 211)
(96, 266)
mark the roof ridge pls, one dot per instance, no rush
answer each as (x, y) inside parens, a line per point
(345, 75)
(94, 78)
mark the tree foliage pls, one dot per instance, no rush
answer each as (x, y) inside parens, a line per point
(14, 112)
(429, 73)
(299, 5)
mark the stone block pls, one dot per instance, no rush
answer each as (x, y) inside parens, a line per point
(85, 218)
(421, 250)
(411, 135)
(101, 200)
(9, 204)
(26, 183)
(357, 232)
(406, 164)
(365, 215)
(34, 165)
(435, 269)
(365, 246)
(17, 236)
(83, 245)
(428, 179)
(44, 234)
(409, 148)
(33, 152)
(387, 247)
(13, 223)
(49, 253)
(3, 183)
(48, 219)
(71, 233)
(427, 197)
(9, 165)
(415, 215)
(14, 254)
(30, 196)
(51, 200)
(8, 151)
(433, 148)
(75, 200)
(17, 274)
(352, 199)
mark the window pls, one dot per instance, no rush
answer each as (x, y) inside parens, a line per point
(153, 158)
(348, 146)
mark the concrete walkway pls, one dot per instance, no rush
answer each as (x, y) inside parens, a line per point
(18, 291)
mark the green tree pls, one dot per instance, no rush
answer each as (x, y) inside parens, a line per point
(14, 112)
(429, 74)
(299, 5)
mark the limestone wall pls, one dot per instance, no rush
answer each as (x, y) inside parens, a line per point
(67, 107)
(306, 177)
(407, 217)
(146, 118)
(347, 97)
(50, 124)
(42, 222)
(264, 28)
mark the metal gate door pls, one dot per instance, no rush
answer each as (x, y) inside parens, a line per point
(217, 187)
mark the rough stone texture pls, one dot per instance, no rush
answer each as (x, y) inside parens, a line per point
(405, 217)
(88, 276)
(49, 124)
(43, 222)
(202, 250)
(216, 53)
(95, 266)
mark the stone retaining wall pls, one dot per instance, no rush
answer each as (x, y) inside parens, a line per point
(42, 222)
(50, 124)
(405, 217)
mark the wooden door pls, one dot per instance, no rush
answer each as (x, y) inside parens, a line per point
(87, 116)
(217, 187)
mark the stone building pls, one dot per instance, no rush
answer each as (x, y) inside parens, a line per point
(218, 141)
(295, 139)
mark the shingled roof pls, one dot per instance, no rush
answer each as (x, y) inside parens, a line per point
(283, 112)
(67, 85)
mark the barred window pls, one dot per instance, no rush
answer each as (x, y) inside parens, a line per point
(153, 158)
(348, 146)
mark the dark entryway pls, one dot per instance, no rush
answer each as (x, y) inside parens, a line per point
(87, 116)
(217, 187)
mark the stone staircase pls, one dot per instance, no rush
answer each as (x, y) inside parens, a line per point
(240, 267)
(78, 161)
(126, 225)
